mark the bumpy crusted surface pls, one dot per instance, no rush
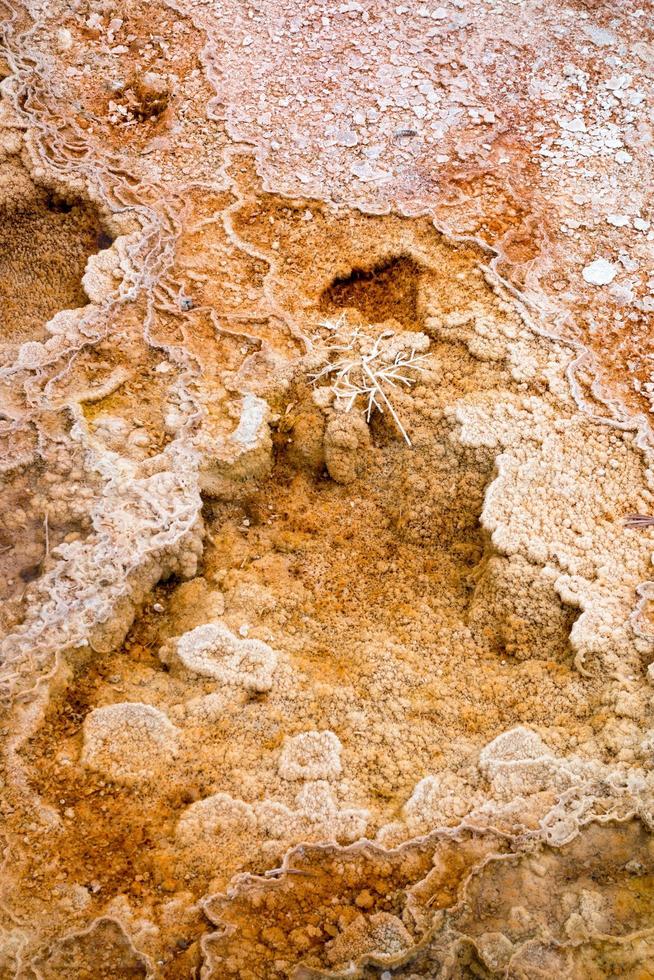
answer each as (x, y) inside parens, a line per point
(452, 905)
(284, 693)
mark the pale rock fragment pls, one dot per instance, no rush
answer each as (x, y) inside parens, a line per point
(496, 949)
(112, 430)
(64, 40)
(212, 650)
(574, 125)
(437, 800)
(347, 437)
(204, 825)
(600, 272)
(242, 456)
(311, 755)
(129, 741)
(318, 809)
(316, 801)
(215, 816)
(152, 92)
(104, 271)
(381, 935)
(517, 744)
(518, 763)
(212, 831)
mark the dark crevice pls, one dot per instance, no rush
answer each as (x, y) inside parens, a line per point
(384, 291)
(45, 242)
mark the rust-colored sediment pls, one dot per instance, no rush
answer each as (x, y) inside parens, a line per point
(289, 688)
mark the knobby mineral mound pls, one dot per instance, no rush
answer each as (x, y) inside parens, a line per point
(325, 395)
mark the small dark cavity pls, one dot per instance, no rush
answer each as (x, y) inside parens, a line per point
(104, 240)
(58, 204)
(45, 244)
(30, 573)
(386, 290)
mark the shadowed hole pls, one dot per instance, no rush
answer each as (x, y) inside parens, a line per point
(388, 289)
(45, 242)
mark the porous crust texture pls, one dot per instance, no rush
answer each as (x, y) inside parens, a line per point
(326, 639)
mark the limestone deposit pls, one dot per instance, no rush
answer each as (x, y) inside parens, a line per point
(327, 510)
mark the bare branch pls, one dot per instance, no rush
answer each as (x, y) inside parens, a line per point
(365, 375)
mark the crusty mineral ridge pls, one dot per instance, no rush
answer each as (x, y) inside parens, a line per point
(292, 689)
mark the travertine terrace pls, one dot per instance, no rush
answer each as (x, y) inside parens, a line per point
(326, 388)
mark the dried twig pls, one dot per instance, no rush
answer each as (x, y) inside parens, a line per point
(369, 375)
(638, 520)
(276, 872)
